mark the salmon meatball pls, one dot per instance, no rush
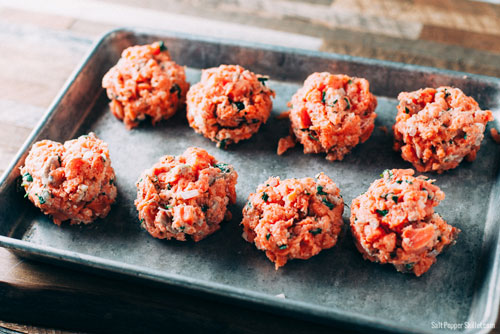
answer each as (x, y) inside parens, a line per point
(437, 128)
(186, 196)
(293, 218)
(229, 104)
(394, 222)
(331, 113)
(145, 82)
(72, 181)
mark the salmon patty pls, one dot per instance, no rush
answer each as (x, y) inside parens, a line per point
(71, 181)
(293, 218)
(394, 222)
(437, 128)
(186, 196)
(145, 82)
(229, 104)
(331, 114)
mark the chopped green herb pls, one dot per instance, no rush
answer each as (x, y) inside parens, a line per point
(162, 46)
(349, 82)
(409, 266)
(395, 199)
(59, 159)
(283, 247)
(328, 203)
(384, 196)
(446, 94)
(408, 181)
(388, 171)
(382, 212)
(249, 204)
(268, 236)
(347, 101)
(465, 136)
(40, 199)
(27, 177)
(313, 138)
(323, 97)
(399, 181)
(142, 220)
(307, 193)
(176, 88)
(315, 231)
(407, 110)
(265, 197)
(168, 207)
(111, 181)
(169, 186)
(223, 167)
(240, 105)
(320, 191)
(27, 194)
(263, 80)
(204, 208)
(182, 228)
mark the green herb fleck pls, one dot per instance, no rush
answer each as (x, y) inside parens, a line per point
(328, 203)
(347, 101)
(395, 199)
(27, 177)
(142, 220)
(162, 46)
(182, 228)
(446, 94)
(307, 193)
(265, 197)
(465, 136)
(409, 266)
(40, 199)
(323, 97)
(315, 231)
(313, 138)
(239, 105)
(388, 171)
(349, 82)
(399, 181)
(320, 191)
(111, 181)
(384, 196)
(169, 186)
(407, 110)
(204, 208)
(168, 207)
(263, 80)
(283, 247)
(176, 88)
(382, 212)
(408, 181)
(27, 194)
(268, 236)
(223, 167)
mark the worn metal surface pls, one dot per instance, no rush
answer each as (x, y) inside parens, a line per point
(335, 286)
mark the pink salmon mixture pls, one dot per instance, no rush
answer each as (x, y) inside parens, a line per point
(394, 222)
(293, 218)
(437, 128)
(71, 181)
(331, 114)
(186, 196)
(145, 82)
(229, 104)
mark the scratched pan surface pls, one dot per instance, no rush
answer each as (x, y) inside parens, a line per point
(337, 286)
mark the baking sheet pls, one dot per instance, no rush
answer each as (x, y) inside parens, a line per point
(337, 285)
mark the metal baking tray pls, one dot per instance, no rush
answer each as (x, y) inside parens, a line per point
(335, 287)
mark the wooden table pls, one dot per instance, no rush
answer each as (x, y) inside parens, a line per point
(41, 45)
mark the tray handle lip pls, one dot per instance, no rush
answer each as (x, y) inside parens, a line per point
(208, 288)
(304, 52)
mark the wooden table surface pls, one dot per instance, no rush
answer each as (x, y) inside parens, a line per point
(41, 45)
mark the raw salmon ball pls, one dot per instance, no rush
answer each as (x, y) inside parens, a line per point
(293, 218)
(74, 181)
(437, 128)
(186, 196)
(145, 82)
(394, 222)
(331, 114)
(229, 104)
